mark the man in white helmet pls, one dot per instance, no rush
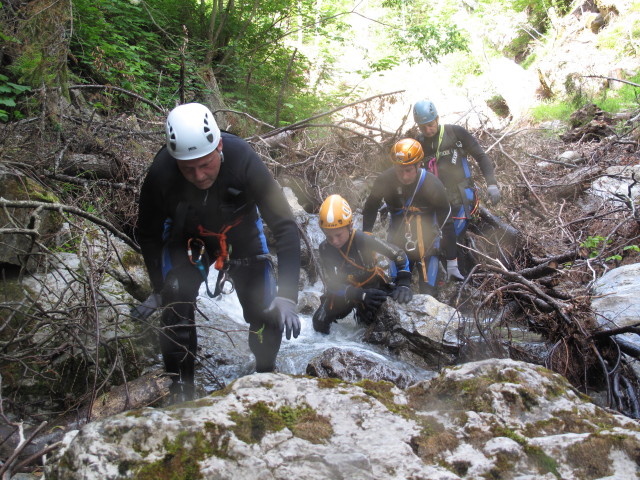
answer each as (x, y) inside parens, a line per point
(201, 204)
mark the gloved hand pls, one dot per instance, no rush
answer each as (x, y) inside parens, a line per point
(494, 194)
(146, 308)
(284, 310)
(402, 294)
(371, 297)
(453, 273)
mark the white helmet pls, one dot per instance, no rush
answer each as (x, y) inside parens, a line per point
(192, 131)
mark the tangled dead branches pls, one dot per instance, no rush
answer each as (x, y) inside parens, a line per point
(538, 259)
(531, 261)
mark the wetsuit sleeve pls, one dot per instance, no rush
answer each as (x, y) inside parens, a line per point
(149, 228)
(275, 210)
(334, 283)
(437, 197)
(371, 205)
(473, 148)
(392, 252)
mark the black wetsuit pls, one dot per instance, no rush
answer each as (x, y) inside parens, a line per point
(172, 211)
(446, 156)
(356, 266)
(422, 207)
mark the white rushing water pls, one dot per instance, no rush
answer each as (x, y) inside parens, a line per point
(223, 338)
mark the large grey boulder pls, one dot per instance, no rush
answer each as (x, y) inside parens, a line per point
(352, 366)
(616, 302)
(489, 419)
(615, 297)
(423, 332)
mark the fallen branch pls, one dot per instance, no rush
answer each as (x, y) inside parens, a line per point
(319, 115)
(86, 183)
(7, 464)
(4, 203)
(121, 90)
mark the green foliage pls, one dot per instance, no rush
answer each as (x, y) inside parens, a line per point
(617, 257)
(116, 43)
(429, 42)
(610, 100)
(593, 244)
(528, 31)
(552, 110)
(9, 93)
(463, 66)
(624, 37)
(624, 98)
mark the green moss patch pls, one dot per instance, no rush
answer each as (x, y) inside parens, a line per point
(543, 462)
(587, 465)
(303, 422)
(381, 391)
(433, 440)
(182, 457)
(329, 382)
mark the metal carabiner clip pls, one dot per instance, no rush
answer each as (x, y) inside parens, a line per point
(225, 282)
(195, 250)
(409, 245)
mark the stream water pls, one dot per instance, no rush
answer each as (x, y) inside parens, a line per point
(223, 342)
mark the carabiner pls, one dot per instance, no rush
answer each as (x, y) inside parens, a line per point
(225, 283)
(195, 250)
(409, 245)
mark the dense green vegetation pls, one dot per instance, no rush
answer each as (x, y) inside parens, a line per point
(280, 61)
(275, 59)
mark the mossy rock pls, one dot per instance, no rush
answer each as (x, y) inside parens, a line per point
(16, 247)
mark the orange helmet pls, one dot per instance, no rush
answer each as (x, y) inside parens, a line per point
(406, 152)
(335, 212)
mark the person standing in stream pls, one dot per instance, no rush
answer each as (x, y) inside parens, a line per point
(420, 214)
(201, 204)
(447, 149)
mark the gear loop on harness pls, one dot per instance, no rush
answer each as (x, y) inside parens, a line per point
(375, 270)
(223, 256)
(197, 252)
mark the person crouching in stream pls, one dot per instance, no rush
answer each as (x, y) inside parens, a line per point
(353, 280)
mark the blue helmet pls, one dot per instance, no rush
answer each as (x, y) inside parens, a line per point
(424, 111)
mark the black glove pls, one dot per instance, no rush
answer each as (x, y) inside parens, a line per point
(284, 311)
(402, 294)
(403, 278)
(146, 308)
(371, 297)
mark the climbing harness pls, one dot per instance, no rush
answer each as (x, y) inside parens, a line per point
(223, 256)
(408, 212)
(197, 252)
(374, 271)
(433, 162)
(410, 245)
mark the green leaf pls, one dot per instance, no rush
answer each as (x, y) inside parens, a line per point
(19, 88)
(9, 102)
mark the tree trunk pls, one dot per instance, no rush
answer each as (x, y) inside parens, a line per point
(214, 98)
